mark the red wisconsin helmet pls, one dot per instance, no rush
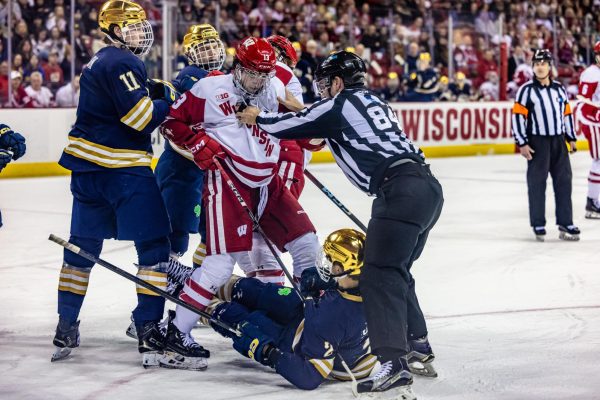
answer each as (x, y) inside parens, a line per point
(285, 48)
(256, 55)
(597, 47)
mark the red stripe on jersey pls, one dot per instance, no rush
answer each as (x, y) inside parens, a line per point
(593, 180)
(284, 75)
(189, 109)
(270, 272)
(595, 174)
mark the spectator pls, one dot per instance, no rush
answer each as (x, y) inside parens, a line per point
(68, 95)
(413, 31)
(42, 44)
(486, 64)
(17, 64)
(40, 95)
(423, 84)
(3, 82)
(19, 97)
(410, 62)
(465, 57)
(20, 33)
(53, 72)
(372, 39)
(25, 50)
(307, 67)
(58, 44)
(33, 66)
(489, 90)
(445, 93)
(57, 20)
(516, 59)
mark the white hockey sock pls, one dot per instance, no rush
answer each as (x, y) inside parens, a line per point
(594, 180)
(304, 251)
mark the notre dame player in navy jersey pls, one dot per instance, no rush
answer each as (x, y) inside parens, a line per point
(115, 194)
(179, 179)
(304, 343)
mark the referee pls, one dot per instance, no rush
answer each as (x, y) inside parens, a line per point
(541, 120)
(369, 146)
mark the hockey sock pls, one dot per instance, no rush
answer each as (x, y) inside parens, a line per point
(74, 277)
(150, 305)
(304, 252)
(179, 242)
(199, 255)
(594, 181)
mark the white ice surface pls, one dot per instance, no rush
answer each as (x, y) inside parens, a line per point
(509, 318)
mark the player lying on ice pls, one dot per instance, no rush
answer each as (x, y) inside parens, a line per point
(304, 343)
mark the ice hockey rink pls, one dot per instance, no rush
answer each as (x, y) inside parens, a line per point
(509, 317)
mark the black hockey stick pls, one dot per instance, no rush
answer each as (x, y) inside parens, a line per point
(257, 226)
(77, 250)
(335, 200)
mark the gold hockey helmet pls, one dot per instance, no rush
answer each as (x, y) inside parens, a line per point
(203, 47)
(130, 18)
(344, 247)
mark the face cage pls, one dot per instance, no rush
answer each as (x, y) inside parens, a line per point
(243, 77)
(324, 265)
(138, 37)
(208, 55)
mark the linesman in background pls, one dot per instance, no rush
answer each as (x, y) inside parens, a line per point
(541, 120)
(368, 144)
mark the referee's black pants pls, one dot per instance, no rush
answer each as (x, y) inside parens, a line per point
(407, 206)
(551, 156)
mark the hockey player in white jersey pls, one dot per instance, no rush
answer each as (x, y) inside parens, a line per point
(588, 117)
(204, 122)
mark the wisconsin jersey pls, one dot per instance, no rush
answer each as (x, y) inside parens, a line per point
(115, 116)
(589, 88)
(212, 103)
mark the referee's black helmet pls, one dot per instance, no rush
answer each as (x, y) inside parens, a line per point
(348, 66)
(541, 55)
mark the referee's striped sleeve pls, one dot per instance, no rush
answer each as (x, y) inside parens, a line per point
(318, 121)
(568, 119)
(519, 117)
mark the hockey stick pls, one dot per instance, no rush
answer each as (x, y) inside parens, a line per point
(257, 226)
(335, 200)
(77, 250)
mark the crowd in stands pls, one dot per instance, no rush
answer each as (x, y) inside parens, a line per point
(404, 42)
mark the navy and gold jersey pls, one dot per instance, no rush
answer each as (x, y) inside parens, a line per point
(115, 116)
(333, 329)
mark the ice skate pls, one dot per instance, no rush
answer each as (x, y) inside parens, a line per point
(65, 339)
(540, 233)
(177, 274)
(151, 343)
(182, 351)
(393, 381)
(569, 233)
(592, 209)
(420, 358)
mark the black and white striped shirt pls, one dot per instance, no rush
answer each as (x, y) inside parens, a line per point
(542, 110)
(361, 130)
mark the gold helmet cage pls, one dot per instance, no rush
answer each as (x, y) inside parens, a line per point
(130, 17)
(344, 247)
(203, 47)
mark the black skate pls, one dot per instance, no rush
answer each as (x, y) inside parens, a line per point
(592, 209)
(151, 343)
(177, 274)
(540, 233)
(65, 339)
(182, 351)
(393, 381)
(421, 357)
(570, 233)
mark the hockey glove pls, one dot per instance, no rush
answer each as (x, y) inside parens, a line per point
(311, 144)
(13, 141)
(5, 158)
(187, 82)
(311, 283)
(253, 343)
(159, 89)
(204, 149)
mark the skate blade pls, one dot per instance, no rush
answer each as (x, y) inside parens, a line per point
(131, 331)
(151, 359)
(592, 215)
(172, 360)
(423, 369)
(539, 238)
(60, 353)
(399, 393)
(568, 237)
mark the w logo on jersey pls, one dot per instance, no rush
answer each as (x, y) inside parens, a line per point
(226, 107)
(242, 230)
